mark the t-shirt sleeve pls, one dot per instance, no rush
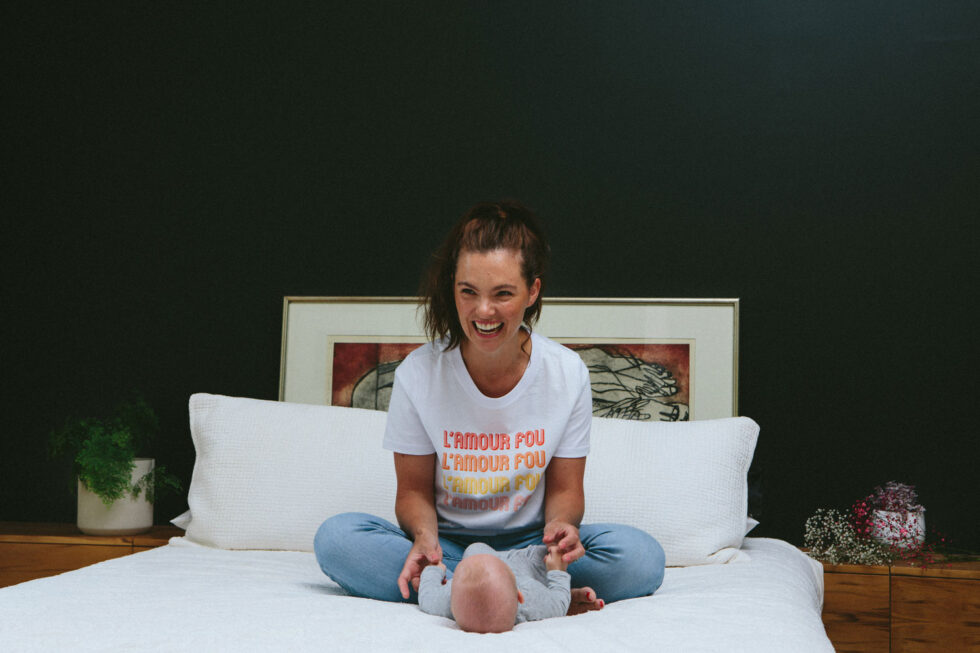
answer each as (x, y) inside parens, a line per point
(434, 596)
(404, 431)
(575, 441)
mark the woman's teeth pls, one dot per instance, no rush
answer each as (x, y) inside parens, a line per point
(489, 327)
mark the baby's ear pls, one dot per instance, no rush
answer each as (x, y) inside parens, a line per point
(520, 596)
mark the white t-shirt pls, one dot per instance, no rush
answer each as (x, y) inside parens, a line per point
(491, 452)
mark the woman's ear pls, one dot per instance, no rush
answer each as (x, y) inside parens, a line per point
(535, 290)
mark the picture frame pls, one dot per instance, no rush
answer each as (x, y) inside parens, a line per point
(653, 359)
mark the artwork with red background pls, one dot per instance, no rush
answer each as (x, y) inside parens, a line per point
(642, 381)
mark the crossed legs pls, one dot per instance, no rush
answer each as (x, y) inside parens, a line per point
(364, 555)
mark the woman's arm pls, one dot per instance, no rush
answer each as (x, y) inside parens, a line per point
(415, 509)
(564, 505)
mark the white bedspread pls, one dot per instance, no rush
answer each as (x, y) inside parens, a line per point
(184, 597)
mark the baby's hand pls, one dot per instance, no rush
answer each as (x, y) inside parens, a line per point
(554, 561)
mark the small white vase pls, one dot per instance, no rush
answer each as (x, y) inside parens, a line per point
(126, 516)
(902, 531)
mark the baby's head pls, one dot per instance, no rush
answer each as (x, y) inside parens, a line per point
(484, 594)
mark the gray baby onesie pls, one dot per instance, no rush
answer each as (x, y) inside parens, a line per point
(546, 593)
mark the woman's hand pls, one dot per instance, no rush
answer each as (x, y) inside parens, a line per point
(565, 537)
(425, 551)
(415, 508)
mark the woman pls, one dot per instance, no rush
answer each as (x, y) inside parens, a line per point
(489, 425)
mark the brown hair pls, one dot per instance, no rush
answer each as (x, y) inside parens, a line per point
(485, 227)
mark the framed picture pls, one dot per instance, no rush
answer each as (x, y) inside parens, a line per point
(648, 359)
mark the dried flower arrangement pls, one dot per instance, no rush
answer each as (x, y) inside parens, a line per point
(880, 528)
(831, 537)
(896, 497)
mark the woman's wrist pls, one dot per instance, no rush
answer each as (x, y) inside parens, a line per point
(563, 520)
(423, 534)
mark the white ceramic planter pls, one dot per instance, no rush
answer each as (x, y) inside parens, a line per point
(887, 527)
(126, 516)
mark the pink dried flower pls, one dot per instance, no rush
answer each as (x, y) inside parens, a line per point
(861, 517)
(895, 497)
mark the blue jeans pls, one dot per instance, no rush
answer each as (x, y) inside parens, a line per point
(364, 555)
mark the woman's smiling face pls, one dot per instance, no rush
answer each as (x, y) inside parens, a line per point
(491, 296)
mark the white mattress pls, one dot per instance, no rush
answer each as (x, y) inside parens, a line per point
(184, 597)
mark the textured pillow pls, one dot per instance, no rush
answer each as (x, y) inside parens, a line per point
(268, 473)
(684, 483)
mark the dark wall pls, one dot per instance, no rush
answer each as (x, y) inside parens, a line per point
(173, 174)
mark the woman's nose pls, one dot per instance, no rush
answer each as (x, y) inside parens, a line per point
(484, 308)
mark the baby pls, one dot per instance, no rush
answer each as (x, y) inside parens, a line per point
(490, 591)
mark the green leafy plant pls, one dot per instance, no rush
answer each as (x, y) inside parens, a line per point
(104, 450)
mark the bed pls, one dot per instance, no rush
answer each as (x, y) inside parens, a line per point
(267, 473)
(185, 596)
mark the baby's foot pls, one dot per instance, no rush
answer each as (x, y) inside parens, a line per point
(584, 600)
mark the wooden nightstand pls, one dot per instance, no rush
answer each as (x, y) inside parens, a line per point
(34, 550)
(903, 607)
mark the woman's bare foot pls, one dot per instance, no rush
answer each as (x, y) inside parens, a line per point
(584, 600)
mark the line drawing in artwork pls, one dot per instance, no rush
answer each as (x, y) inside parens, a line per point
(624, 384)
(373, 390)
(627, 387)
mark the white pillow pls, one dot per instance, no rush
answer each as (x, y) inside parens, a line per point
(685, 483)
(268, 473)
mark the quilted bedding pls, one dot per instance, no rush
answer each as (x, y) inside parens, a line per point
(187, 597)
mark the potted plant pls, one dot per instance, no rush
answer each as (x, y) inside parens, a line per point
(897, 520)
(116, 489)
